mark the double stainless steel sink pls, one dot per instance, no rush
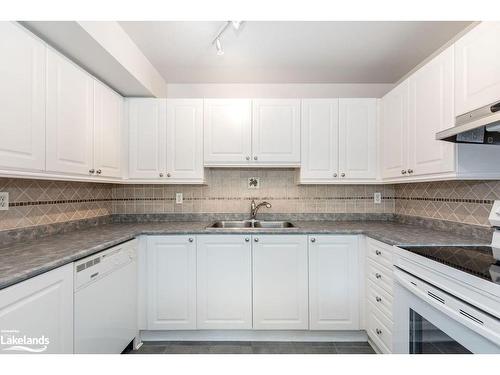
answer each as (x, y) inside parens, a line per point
(248, 224)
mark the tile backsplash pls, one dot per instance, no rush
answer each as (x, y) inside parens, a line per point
(466, 202)
(226, 191)
(37, 202)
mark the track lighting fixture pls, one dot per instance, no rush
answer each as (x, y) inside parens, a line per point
(217, 40)
(218, 45)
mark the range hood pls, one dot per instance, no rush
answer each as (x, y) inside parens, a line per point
(480, 126)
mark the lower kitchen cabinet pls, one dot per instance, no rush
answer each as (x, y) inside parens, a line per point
(224, 282)
(171, 273)
(333, 283)
(39, 308)
(280, 282)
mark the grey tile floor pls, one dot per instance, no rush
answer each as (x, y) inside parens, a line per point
(253, 347)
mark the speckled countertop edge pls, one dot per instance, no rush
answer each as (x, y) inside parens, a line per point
(21, 261)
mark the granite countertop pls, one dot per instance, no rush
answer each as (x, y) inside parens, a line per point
(21, 261)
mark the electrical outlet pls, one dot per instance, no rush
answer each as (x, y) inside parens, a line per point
(253, 183)
(377, 198)
(178, 198)
(4, 201)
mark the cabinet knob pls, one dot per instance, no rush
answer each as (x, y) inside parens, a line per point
(161, 174)
(410, 171)
(378, 252)
(342, 175)
(247, 239)
(248, 158)
(98, 171)
(168, 175)
(378, 299)
(256, 240)
(191, 240)
(313, 239)
(255, 158)
(403, 171)
(378, 331)
(92, 171)
(378, 276)
(335, 175)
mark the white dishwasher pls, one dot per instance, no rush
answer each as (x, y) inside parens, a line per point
(105, 300)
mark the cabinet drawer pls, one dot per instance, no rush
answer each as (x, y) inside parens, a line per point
(380, 276)
(380, 299)
(380, 252)
(379, 329)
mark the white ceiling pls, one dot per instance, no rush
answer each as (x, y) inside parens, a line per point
(289, 52)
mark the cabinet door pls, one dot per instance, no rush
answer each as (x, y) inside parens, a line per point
(228, 134)
(358, 138)
(333, 283)
(224, 277)
(22, 94)
(477, 70)
(70, 116)
(42, 308)
(319, 140)
(147, 125)
(394, 132)
(185, 139)
(276, 131)
(431, 110)
(108, 108)
(171, 282)
(280, 291)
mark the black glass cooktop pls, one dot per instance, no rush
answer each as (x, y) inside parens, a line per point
(481, 261)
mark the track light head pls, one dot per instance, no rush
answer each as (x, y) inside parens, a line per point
(218, 45)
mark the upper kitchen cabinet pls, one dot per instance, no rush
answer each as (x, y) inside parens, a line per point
(276, 131)
(394, 131)
(184, 140)
(147, 127)
(228, 131)
(319, 140)
(477, 68)
(108, 109)
(22, 94)
(358, 139)
(70, 117)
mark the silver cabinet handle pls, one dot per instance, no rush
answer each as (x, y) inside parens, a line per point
(255, 158)
(410, 171)
(168, 174)
(378, 276)
(247, 239)
(191, 240)
(98, 171)
(313, 239)
(378, 299)
(335, 175)
(378, 252)
(248, 158)
(403, 172)
(92, 171)
(378, 331)
(161, 174)
(342, 175)
(256, 240)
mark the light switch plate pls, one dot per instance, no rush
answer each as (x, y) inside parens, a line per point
(377, 198)
(178, 198)
(253, 183)
(4, 201)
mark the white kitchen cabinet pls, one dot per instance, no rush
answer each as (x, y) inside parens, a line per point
(334, 283)
(171, 272)
(227, 131)
(477, 70)
(147, 134)
(430, 111)
(358, 139)
(70, 117)
(276, 131)
(41, 308)
(319, 140)
(108, 109)
(224, 282)
(22, 94)
(184, 152)
(394, 132)
(280, 282)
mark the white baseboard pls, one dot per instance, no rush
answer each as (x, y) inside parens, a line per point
(251, 335)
